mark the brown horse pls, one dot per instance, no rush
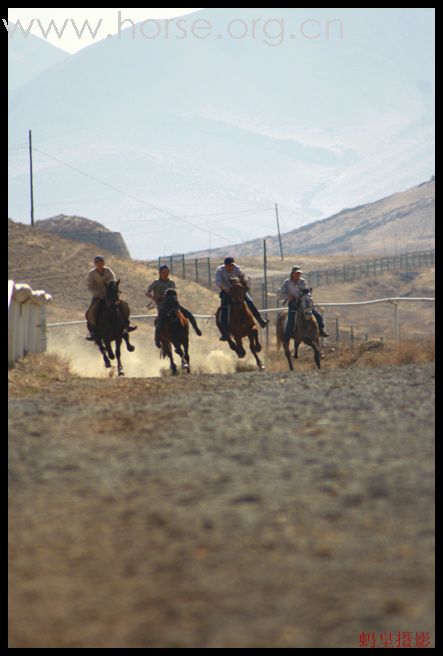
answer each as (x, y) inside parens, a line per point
(175, 331)
(241, 324)
(305, 330)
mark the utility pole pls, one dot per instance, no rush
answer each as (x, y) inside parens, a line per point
(265, 269)
(31, 178)
(279, 234)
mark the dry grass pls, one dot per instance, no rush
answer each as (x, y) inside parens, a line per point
(367, 354)
(36, 372)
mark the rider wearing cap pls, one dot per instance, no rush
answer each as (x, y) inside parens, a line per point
(96, 281)
(223, 280)
(157, 292)
(292, 290)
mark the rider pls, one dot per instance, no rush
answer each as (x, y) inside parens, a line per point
(156, 291)
(292, 290)
(223, 280)
(96, 280)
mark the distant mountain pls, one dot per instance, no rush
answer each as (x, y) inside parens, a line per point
(401, 222)
(29, 56)
(205, 129)
(85, 230)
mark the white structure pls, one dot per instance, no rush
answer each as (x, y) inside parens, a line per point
(26, 321)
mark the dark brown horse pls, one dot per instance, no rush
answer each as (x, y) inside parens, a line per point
(241, 323)
(305, 330)
(175, 330)
(111, 326)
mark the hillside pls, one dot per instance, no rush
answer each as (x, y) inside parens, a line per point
(401, 222)
(29, 56)
(59, 266)
(228, 125)
(81, 229)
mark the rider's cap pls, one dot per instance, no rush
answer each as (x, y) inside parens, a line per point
(229, 260)
(296, 270)
(99, 258)
(164, 267)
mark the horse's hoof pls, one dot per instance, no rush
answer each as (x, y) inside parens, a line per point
(175, 373)
(121, 373)
(112, 357)
(131, 348)
(261, 367)
(108, 365)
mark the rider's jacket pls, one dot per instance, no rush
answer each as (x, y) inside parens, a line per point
(223, 277)
(294, 289)
(158, 289)
(96, 281)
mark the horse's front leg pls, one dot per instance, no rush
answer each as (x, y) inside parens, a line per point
(240, 350)
(183, 353)
(98, 341)
(118, 343)
(129, 346)
(296, 348)
(109, 349)
(253, 341)
(288, 355)
(167, 352)
(187, 358)
(314, 344)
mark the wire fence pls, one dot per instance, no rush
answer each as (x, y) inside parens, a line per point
(202, 271)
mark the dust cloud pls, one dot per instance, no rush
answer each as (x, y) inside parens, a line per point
(208, 356)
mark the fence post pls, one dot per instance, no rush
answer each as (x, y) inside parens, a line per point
(337, 330)
(209, 272)
(196, 270)
(396, 322)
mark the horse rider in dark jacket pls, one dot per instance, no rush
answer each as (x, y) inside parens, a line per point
(156, 291)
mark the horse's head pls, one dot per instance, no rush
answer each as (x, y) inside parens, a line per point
(171, 304)
(237, 291)
(306, 304)
(112, 292)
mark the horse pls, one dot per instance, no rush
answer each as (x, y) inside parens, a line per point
(175, 330)
(241, 323)
(110, 326)
(305, 330)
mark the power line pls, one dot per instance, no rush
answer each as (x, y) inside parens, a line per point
(124, 193)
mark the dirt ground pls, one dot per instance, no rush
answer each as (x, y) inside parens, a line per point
(250, 510)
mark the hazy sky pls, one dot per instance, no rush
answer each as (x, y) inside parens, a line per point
(70, 40)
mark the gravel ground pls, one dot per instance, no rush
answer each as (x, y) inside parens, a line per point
(251, 510)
